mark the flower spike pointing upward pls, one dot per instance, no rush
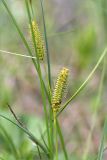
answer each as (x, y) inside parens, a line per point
(59, 89)
(39, 41)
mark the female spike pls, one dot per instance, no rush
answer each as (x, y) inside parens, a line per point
(39, 41)
(59, 89)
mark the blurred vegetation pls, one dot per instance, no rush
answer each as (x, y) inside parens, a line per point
(77, 35)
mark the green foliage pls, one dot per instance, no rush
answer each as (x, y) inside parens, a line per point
(36, 137)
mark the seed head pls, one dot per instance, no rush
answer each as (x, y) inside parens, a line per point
(39, 41)
(59, 89)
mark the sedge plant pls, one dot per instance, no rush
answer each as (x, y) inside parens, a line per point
(51, 97)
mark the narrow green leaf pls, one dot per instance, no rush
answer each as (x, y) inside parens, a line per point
(46, 41)
(101, 149)
(85, 82)
(95, 113)
(39, 152)
(49, 75)
(31, 136)
(20, 33)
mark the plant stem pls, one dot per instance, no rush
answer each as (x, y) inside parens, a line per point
(56, 140)
(46, 41)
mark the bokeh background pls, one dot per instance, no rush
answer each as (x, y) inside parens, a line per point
(77, 35)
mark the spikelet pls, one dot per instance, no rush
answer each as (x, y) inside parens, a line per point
(39, 41)
(59, 89)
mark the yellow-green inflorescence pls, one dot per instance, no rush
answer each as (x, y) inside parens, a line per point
(59, 89)
(39, 41)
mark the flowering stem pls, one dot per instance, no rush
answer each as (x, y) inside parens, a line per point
(56, 140)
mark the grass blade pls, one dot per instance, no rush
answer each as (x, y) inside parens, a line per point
(49, 72)
(95, 114)
(19, 31)
(39, 152)
(85, 82)
(46, 41)
(33, 138)
(101, 149)
(17, 54)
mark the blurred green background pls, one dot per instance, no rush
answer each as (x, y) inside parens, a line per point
(77, 35)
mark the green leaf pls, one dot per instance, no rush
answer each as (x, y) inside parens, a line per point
(101, 149)
(85, 82)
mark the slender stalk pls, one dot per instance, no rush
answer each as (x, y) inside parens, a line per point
(95, 115)
(15, 116)
(17, 54)
(101, 148)
(19, 31)
(46, 41)
(49, 74)
(39, 152)
(61, 140)
(85, 82)
(55, 136)
(42, 137)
